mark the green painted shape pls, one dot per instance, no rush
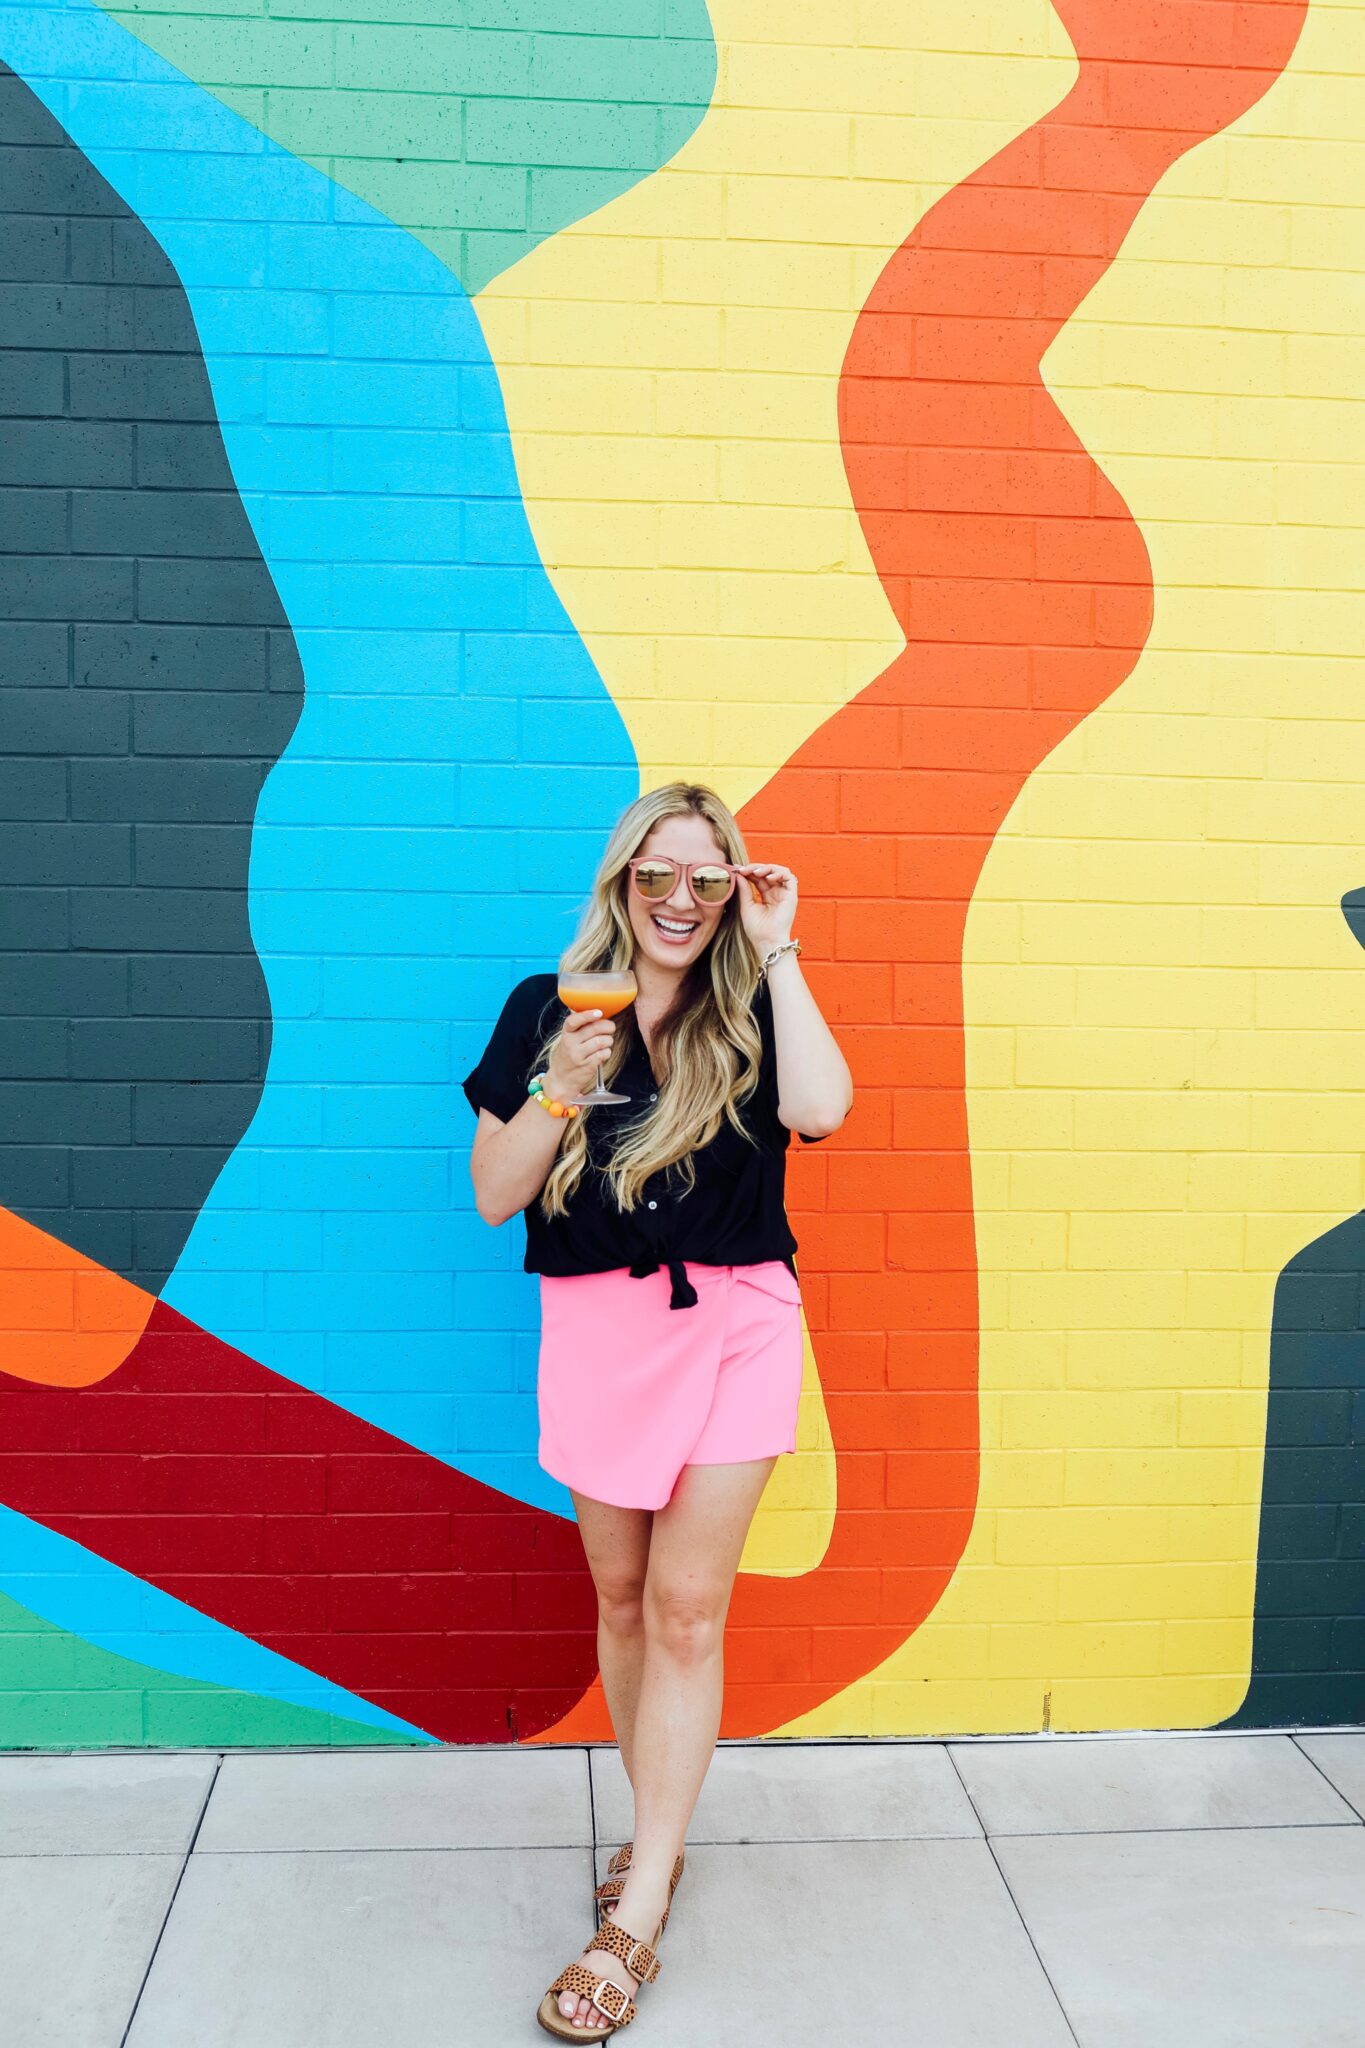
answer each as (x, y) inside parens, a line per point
(59, 1692)
(480, 126)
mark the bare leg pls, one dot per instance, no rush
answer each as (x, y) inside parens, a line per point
(617, 1544)
(694, 1553)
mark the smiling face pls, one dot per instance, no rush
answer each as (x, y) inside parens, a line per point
(674, 933)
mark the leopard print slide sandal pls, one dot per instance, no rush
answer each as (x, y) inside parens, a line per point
(615, 2005)
(614, 1883)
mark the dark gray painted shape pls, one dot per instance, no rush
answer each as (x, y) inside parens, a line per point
(134, 1025)
(1308, 1642)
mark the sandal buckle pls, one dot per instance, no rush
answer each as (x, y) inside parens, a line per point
(595, 1998)
(630, 1959)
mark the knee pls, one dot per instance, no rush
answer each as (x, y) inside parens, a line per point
(687, 1623)
(620, 1605)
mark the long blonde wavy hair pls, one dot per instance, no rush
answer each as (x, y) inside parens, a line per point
(707, 1046)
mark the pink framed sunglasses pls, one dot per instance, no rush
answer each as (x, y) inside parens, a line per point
(656, 877)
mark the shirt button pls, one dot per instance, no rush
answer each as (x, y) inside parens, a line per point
(651, 1205)
(654, 1098)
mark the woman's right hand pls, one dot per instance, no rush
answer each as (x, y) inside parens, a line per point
(584, 1042)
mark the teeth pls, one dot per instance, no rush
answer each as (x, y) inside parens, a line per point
(667, 924)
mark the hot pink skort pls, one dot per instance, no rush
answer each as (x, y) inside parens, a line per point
(631, 1390)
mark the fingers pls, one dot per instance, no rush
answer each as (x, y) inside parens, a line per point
(769, 874)
(588, 1036)
(584, 1045)
(578, 1068)
(587, 1026)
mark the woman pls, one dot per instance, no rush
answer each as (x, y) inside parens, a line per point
(663, 1425)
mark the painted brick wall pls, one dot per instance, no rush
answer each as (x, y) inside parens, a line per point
(421, 429)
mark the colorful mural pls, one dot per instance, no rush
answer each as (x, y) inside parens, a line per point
(423, 427)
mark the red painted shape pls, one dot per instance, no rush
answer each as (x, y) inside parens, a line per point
(1024, 590)
(263, 1505)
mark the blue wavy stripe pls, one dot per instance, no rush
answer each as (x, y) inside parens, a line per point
(432, 827)
(70, 1586)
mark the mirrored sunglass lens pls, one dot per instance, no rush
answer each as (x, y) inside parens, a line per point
(654, 878)
(711, 884)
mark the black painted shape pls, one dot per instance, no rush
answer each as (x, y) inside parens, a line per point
(136, 728)
(1308, 1645)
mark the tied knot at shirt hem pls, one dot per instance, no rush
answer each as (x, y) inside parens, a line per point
(733, 1212)
(684, 1294)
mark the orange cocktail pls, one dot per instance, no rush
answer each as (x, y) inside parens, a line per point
(576, 994)
(608, 992)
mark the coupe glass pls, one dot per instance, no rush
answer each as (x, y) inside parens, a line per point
(609, 993)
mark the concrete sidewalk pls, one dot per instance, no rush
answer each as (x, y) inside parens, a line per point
(1035, 1893)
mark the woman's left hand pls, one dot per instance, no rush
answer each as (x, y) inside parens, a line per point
(767, 919)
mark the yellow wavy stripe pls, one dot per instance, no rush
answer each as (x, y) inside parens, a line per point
(1166, 1011)
(671, 365)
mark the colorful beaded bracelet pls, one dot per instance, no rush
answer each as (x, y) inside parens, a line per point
(536, 1090)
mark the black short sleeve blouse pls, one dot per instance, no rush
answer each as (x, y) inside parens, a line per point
(734, 1215)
